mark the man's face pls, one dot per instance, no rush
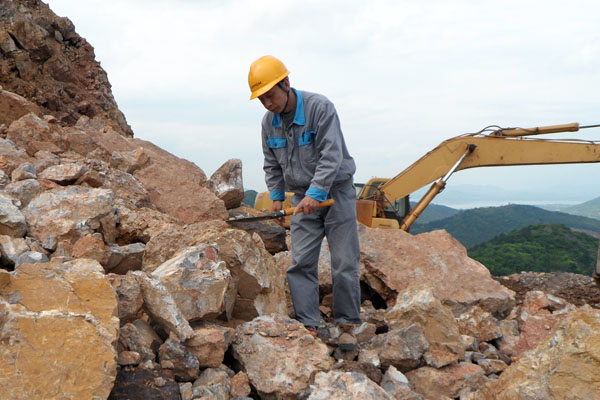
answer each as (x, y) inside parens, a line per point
(274, 100)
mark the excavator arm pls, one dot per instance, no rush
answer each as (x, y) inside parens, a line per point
(502, 147)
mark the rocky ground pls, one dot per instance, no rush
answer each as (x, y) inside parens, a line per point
(574, 288)
(121, 279)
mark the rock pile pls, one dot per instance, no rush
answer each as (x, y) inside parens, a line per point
(120, 279)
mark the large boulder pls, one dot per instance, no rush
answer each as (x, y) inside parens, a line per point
(44, 60)
(70, 213)
(12, 221)
(396, 260)
(58, 328)
(336, 385)
(564, 366)
(256, 278)
(198, 281)
(452, 381)
(279, 355)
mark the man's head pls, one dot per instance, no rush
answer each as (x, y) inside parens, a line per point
(268, 81)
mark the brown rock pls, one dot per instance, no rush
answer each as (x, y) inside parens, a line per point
(450, 381)
(240, 385)
(141, 339)
(129, 358)
(24, 191)
(564, 366)
(209, 345)
(34, 134)
(122, 259)
(175, 356)
(59, 326)
(398, 260)
(63, 174)
(279, 356)
(46, 61)
(91, 247)
(480, 324)
(139, 224)
(213, 383)
(129, 294)
(13, 106)
(227, 183)
(24, 171)
(11, 249)
(419, 305)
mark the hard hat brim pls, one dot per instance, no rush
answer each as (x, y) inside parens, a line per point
(260, 91)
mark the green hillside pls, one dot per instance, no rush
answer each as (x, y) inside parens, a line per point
(589, 209)
(538, 248)
(434, 212)
(478, 225)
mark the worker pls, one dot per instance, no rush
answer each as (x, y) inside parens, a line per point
(305, 153)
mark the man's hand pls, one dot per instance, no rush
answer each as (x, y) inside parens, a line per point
(308, 205)
(278, 206)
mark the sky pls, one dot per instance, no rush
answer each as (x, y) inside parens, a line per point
(403, 75)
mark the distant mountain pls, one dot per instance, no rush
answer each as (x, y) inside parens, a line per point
(538, 248)
(589, 209)
(478, 225)
(434, 212)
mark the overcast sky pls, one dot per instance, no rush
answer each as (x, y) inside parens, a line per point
(404, 75)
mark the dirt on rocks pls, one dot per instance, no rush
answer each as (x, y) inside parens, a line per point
(574, 288)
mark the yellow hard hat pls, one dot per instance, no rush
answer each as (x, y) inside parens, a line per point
(265, 73)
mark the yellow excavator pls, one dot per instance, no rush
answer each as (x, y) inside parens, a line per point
(384, 203)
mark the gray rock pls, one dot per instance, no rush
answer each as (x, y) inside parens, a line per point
(24, 190)
(126, 258)
(24, 171)
(31, 257)
(12, 222)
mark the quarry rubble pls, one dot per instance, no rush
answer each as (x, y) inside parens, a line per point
(120, 279)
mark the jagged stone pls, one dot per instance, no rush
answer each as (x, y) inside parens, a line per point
(13, 106)
(129, 358)
(335, 385)
(11, 249)
(58, 328)
(12, 222)
(24, 171)
(227, 183)
(212, 384)
(24, 190)
(198, 282)
(449, 381)
(69, 213)
(396, 260)
(421, 306)
(129, 293)
(403, 348)
(161, 307)
(139, 224)
(140, 338)
(209, 344)
(63, 174)
(11, 156)
(92, 247)
(4, 179)
(259, 284)
(31, 257)
(34, 134)
(279, 356)
(480, 324)
(240, 385)
(175, 356)
(122, 259)
(129, 161)
(564, 366)
(396, 385)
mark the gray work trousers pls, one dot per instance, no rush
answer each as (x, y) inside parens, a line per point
(338, 224)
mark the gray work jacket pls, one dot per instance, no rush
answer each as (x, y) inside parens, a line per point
(312, 157)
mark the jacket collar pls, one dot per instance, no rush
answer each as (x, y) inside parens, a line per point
(299, 118)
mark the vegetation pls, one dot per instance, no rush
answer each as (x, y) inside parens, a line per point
(434, 212)
(589, 209)
(538, 248)
(478, 225)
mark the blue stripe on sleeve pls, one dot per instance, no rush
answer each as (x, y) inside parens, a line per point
(317, 194)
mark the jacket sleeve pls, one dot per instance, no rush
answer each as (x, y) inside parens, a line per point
(328, 141)
(273, 171)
